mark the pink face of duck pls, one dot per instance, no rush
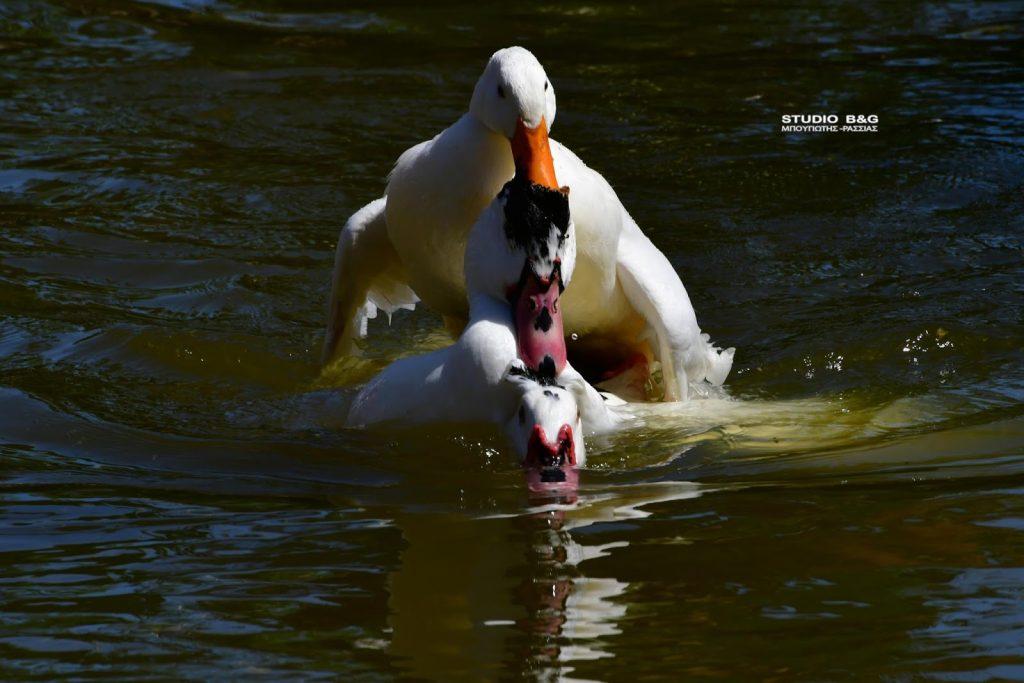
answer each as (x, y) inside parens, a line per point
(552, 457)
(539, 324)
(538, 223)
(543, 451)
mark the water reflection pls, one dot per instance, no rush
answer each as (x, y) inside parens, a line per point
(473, 597)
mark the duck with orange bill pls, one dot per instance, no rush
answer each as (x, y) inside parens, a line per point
(508, 367)
(628, 311)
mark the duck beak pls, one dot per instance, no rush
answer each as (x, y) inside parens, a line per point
(543, 454)
(532, 154)
(550, 468)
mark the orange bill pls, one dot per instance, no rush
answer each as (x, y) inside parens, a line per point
(532, 154)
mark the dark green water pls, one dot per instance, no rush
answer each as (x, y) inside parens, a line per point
(176, 504)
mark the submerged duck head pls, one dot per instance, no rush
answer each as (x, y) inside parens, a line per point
(546, 429)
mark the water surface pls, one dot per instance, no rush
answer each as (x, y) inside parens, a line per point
(176, 502)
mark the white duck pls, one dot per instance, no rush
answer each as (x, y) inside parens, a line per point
(627, 306)
(526, 236)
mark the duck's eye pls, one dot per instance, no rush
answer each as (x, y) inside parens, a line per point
(501, 92)
(545, 86)
(522, 415)
(554, 306)
(533, 305)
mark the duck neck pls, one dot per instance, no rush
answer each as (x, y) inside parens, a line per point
(487, 307)
(487, 154)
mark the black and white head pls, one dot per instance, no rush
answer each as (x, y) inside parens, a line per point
(526, 232)
(538, 226)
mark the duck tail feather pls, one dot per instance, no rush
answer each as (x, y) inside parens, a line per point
(718, 362)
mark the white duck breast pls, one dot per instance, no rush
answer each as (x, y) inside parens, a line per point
(626, 301)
